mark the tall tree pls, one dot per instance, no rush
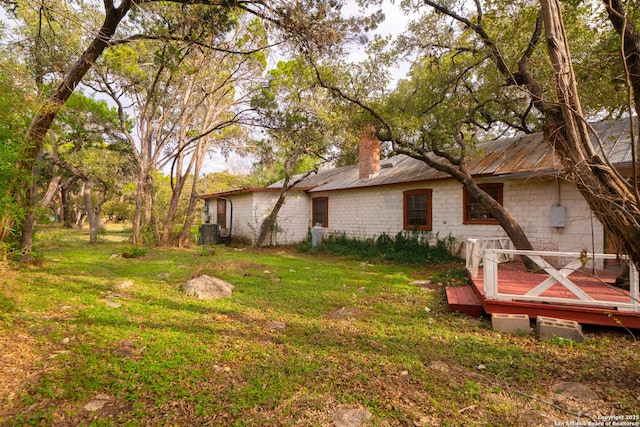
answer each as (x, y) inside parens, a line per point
(14, 115)
(439, 112)
(612, 199)
(628, 29)
(292, 113)
(87, 144)
(316, 21)
(218, 92)
(499, 83)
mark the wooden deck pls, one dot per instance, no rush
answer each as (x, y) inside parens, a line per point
(514, 280)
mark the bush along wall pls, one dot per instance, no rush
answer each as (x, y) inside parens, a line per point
(414, 247)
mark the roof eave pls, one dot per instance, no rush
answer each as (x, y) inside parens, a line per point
(249, 190)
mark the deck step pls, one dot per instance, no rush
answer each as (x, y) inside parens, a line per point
(463, 299)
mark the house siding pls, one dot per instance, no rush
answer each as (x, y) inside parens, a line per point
(247, 211)
(370, 212)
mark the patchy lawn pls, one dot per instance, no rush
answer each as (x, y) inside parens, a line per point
(88, 337)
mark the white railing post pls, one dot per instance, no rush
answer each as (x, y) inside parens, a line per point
(467, 255)
(633, 286)
(490, 274)
(473, 256)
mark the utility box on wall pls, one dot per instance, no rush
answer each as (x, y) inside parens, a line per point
(556, 216)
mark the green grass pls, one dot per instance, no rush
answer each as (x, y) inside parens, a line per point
(357, 335)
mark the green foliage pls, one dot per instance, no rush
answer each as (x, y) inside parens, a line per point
(134, 252)
(14, 120)
(405, 247)
(294, 112)
(7, 304)
(224, 181)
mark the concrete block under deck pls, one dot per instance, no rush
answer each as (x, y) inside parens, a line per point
(510, 323)
(549, 327)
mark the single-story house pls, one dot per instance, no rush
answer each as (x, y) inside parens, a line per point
(402, 193)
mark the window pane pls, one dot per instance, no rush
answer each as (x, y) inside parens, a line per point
(320, 211)
(475, 210)
(416, 210)
(417, 218)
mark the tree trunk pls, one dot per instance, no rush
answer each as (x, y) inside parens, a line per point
(28, 224)
(65, 206)
(137, 214)
(41, 123)
(508, 223)
(630, 36)
(184, 239)
(631, 42)
(200, 153)
(270, 220)
(459, 172)
(52, 189)
(610, 198)
(92, 214)
(169, 220)
(170, 216)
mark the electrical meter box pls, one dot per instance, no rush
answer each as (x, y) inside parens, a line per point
(557, 216)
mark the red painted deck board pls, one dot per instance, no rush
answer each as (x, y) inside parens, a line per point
(464, 300)
(514, 279)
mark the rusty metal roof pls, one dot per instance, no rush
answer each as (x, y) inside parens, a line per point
(519, 155)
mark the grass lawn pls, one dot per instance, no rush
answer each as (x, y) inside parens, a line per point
(77, 347)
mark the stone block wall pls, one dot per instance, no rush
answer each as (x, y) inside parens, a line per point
(371, 211)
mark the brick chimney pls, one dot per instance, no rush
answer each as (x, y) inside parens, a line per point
(369, 154)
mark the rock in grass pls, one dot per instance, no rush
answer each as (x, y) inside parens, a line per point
(575, 391)
(206, 287)
(124, 284)
(351, 418)
(98, 402)
(276, 325)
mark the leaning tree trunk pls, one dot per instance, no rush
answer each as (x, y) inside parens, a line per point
(508, 223)
(269, 222)
(41, 123)
(52, 189)
(611, 199)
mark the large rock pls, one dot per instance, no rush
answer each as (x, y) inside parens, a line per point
(205, 287)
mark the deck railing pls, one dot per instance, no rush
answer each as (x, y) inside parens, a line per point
(475, 251)
(556, 275)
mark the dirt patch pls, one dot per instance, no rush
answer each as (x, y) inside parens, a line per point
(427, 285)
(18, 357)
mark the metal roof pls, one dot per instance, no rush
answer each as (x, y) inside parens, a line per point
(519, 155)
(523, 154)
